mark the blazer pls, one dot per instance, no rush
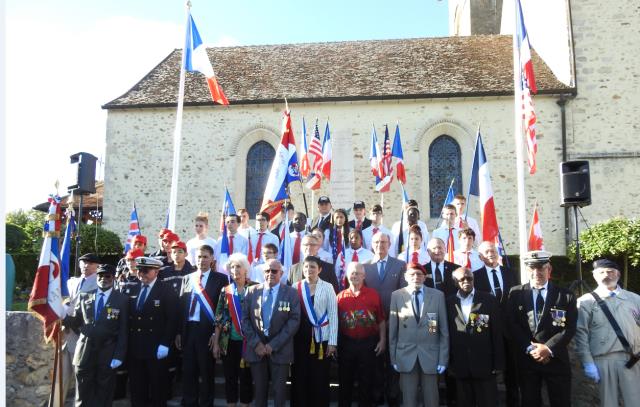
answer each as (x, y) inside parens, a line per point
(155, 324)
(393, 279)
(327, 274)
(324, 300)
(365, 223)
(555, 335)
(215, 283)
(323, 223)
(481, 283)
(284, 323)
(477, 348)
(448, 287)
(104, 337)
(427, 340)
(90, 284)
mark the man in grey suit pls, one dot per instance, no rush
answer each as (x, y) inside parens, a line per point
(418, 337)
(101, 318)
(385, 274)
(270, 319)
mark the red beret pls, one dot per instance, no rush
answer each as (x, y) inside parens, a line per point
(163, 232)
(134, 253)
(180, 245)
(416, 266)
(139, 238)
(170, 237)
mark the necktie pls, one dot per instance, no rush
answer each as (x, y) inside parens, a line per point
(496, 286)
(613, 294)
(339, 241)
(266, 311)
(143, 296)
(355, 256)
(259, 245)
(450, 246)
(438, 276)
(414, 258)
(539, 306)
(231, 244)
(416, 304)
(100, 305)
(194, 300)
(375, 230)
(381, 270)
(359, 225)
(296, 249)
(468, 263)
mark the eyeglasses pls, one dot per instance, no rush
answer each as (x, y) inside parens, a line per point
(272, 271)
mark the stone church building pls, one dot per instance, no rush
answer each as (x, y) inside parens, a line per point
(439, 90)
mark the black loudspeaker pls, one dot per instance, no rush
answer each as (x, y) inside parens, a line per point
(575, 183)
(85, 173)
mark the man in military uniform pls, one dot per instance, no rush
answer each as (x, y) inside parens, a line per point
(604, 358)
(101, 317)
(152, 328)
(542, 320)
(138, 242)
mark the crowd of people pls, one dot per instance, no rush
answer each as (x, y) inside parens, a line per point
(401, 311)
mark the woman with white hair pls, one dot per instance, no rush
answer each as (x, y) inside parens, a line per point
(229, 340)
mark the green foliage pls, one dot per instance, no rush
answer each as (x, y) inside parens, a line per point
(16, 238)
(31, 222)
(96, 239)
(615, 238)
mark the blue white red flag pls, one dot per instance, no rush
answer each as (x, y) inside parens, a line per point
(405, 196)
(315, 152)
(450, 193)
(305, 167)
(375, 155)
(527, 88)
(196, 59)
(284, 170)
(46, 295)
(65, 255)
(396, 152)
(134, 228)
(326, 153)
(480, 186)
(227, 209)
(286, 245)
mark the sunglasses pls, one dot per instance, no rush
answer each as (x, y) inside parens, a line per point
(272, 271)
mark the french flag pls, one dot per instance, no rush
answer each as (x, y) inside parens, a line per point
(396, 152)
(535, 232)
(284, 169)
(305, 166)
(480, 186)
(227, 209)
(196, 59)
(134, 228)
(326, 153)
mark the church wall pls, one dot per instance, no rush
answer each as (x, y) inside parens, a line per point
(216, 140)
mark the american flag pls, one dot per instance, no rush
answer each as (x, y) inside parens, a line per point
(315, 154)
(386, 160)
(527, 88)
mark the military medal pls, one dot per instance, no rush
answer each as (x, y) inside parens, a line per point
(280, 307)
(559, 317)
(156, 303)
(109, 315)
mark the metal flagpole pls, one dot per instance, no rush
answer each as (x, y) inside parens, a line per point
(517, 99)
(177, 133)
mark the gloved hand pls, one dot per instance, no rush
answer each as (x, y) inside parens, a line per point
(115, 363)
(440, 369)
(395, 367)
(591, 371)
(163, 351)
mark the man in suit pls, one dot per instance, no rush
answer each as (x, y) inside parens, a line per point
(438, 269)
(418, 337)
(360, 212)
(448, 231)
(310, 247)
(475, 332)
(602, 354)
(497, 280)
(270, 319)
(101, 317)
(542, 320)
(85, 283)
(385, 274)
(198, 301)
(153, 321)
(323, 220)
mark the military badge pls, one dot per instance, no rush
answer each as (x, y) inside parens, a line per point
(109, 313)
(479, 322)
(558, 317)
(156, 303)
(432, 324)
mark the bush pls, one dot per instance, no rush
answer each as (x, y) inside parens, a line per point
(96, 239)
(31, 222)
(16, 237)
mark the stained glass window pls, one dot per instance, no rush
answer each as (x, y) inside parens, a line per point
(259, 160)
(445, 164)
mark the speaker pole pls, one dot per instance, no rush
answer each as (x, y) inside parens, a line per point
(578, 256)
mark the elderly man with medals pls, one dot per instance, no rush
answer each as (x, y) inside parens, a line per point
(315, 342)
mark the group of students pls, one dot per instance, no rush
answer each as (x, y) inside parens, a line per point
(395, 320)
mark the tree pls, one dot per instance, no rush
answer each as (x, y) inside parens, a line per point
(31, 222)
(16, 238)
(617, 237)
(96, 239)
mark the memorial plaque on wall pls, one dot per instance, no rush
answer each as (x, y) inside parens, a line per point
(342, 176)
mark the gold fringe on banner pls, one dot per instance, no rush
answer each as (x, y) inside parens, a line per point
(51, 234)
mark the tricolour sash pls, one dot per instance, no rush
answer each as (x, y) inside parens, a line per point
(316, 324)
(235, 310)
(201, 295)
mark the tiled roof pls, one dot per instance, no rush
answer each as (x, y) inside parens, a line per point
(350, 70)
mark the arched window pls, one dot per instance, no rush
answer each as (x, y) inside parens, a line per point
(259, 160)
(445, 164)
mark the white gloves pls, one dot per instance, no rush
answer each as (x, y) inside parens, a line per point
(163, 351)
(591, 371)
(115, 363)
(440, 369)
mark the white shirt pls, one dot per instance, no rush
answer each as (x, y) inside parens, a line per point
(194, 244)
(395, 235)
(460, 258)
(246, 232)
(443, 233)
(423, 256)
(534, 293)
(105, 298)
(240, 245)
(473, 224)
(267, 238)
(364, 255)
(325, 255)
(196, 314)
(256, 273)
(367, 235)
(466, 304)
(499, 274)
(604, 292)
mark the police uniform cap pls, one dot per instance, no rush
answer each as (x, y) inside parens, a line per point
(605, 264)
(145, 261)
(90, 258)
(537, 258)
(324, 200)
(107, 269)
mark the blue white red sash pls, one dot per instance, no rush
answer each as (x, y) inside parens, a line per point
(235, 308)
(201, 295)
(305, 298)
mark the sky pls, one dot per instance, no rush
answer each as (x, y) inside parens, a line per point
(64, 60)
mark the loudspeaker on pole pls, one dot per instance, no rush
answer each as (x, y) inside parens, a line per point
(575, 183)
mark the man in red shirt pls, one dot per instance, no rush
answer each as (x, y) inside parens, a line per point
(362, 334)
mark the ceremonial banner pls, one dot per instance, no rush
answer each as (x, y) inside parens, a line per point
(315, 151)
(305, 167)
(134, 228)
(396, 152)
(480, 186)
(65, 256)
(326, 153)
(535, 232)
